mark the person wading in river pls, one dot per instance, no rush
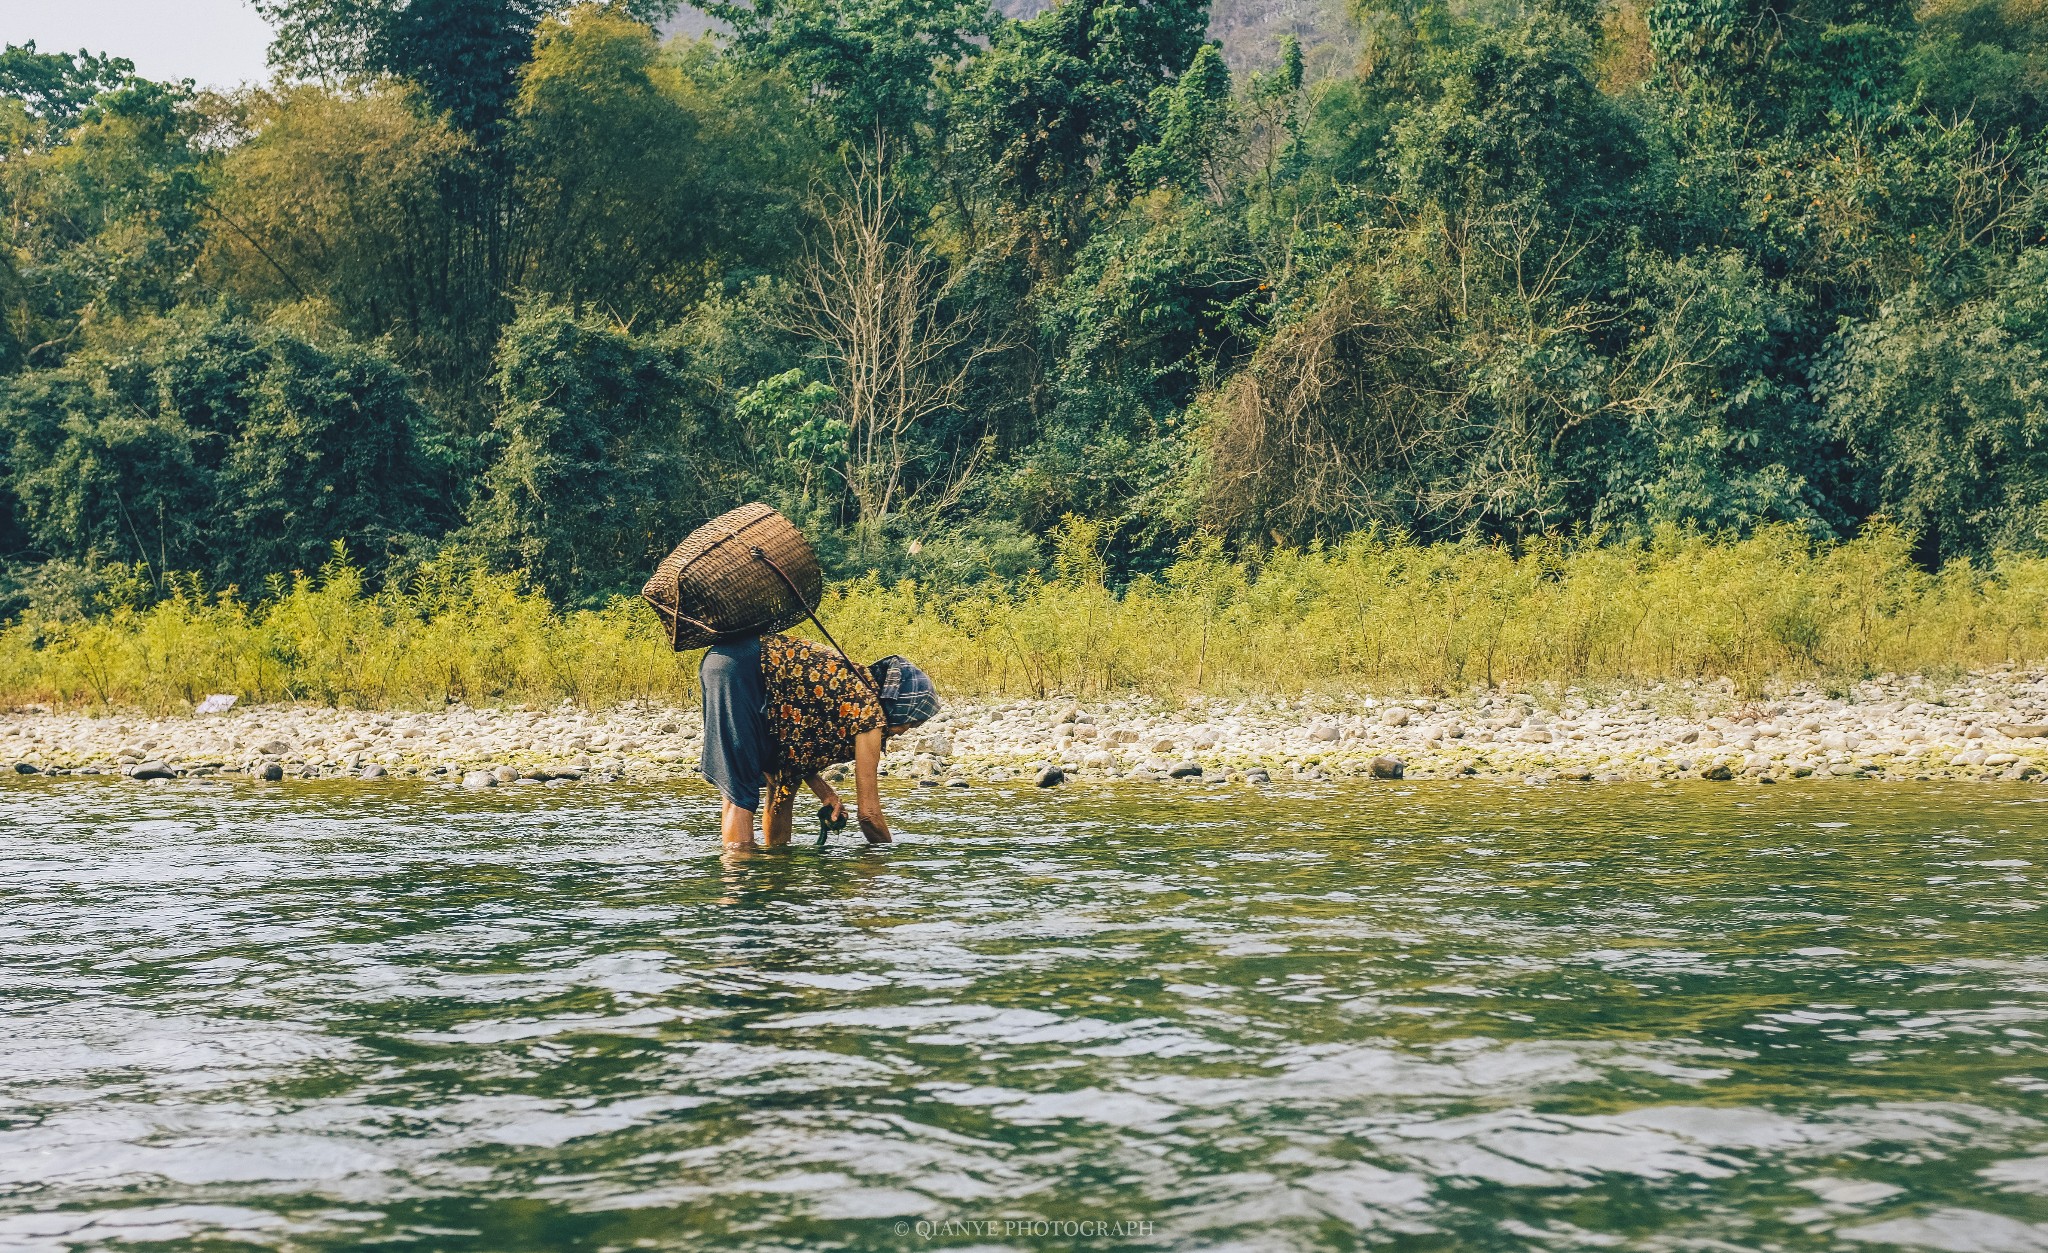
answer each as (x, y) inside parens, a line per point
(778, 710)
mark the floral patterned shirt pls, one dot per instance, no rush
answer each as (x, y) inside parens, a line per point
(816, 706)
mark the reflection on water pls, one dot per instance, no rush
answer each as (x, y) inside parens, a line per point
(1430, 1017)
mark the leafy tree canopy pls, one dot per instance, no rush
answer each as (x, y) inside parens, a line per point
(872, 66)
(525, 281)
(465, 55)
(55, 87)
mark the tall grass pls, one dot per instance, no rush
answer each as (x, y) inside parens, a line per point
(1372, 612)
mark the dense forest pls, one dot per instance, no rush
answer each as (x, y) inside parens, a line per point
(518, 285)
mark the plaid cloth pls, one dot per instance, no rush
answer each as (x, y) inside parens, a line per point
(907, 692)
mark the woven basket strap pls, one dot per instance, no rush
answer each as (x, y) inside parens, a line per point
(855, 666)
(705, 627)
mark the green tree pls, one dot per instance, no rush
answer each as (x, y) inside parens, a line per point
(601, 464)
(611, 172)
(214, 445)
(1160, 305)
(871, 67)
(1518, 122)
(55, 87)
(465, 59)
(1054, 109)
(1190, 121)
(799, 415)
(620, 176)
(1784, 64)
(1985, 60)
(465, 56)
(1945, 413)
(338, 208)
(104, 223)
(1712, 431)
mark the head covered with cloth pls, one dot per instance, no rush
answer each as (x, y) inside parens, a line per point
(907, 695)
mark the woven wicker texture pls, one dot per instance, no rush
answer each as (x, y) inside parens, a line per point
(719, 584)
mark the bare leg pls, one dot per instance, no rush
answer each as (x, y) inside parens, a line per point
(736, 828)
(781, 809)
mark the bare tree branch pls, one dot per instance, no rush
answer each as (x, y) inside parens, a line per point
(897, 354)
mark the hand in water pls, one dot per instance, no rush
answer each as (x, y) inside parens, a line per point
(831, 817)
(875, 827)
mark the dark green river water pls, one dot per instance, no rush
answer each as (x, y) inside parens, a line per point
(1436, 1016)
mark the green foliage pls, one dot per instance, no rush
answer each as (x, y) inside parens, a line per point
(1984, 59)
(622, 177)
(1712, 439)
(1518, 121)
(214, 445)
(1948, 410)
(948, 287)
(638, 171)
(598, 471)
(799, 415)
(465, 55)
(341, 210)
(1150, 307)
(55, 87)
(1786, 65)
(104, 223)
(1056, 106)
(1190, 121)
(873, 67)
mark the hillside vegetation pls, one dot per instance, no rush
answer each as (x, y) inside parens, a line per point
(1368, 614)
(509, 294)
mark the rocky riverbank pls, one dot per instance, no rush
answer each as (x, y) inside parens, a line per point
(1990, 725)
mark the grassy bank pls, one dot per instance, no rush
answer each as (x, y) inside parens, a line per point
(1370, 613)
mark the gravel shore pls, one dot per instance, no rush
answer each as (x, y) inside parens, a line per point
(1991, 725)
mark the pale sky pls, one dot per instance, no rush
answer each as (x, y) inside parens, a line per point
(216, 43)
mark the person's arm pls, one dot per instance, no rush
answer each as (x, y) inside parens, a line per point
(867, 795)
(827, 794)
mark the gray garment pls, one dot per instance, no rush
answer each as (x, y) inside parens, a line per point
(735, 721)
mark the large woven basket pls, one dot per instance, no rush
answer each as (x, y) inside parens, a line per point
(722, 583)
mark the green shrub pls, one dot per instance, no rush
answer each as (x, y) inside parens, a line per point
(222, 447)
(1373, 613)
(596, 476)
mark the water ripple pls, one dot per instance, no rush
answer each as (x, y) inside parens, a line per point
(1432, 1017)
